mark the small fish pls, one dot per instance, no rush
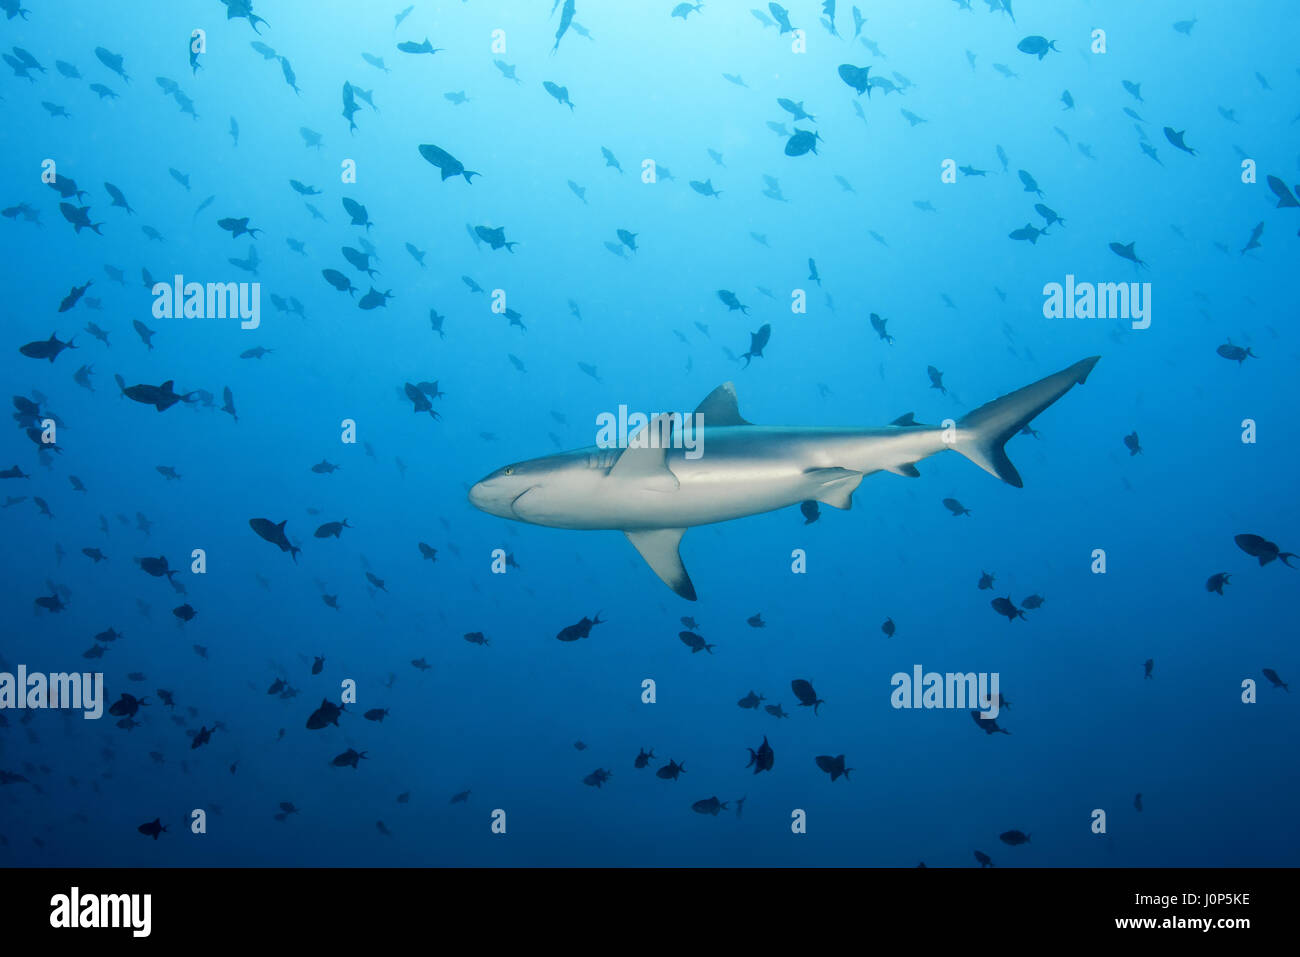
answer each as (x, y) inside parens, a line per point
(1175, 137)
(1036, 45)
(410, 46)
(1235, 353)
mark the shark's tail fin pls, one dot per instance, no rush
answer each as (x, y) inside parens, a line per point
(982, 434)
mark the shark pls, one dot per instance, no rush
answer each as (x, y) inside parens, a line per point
(653, 492)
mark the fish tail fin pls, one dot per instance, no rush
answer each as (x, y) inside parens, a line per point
(983, 433)
(1285, 555)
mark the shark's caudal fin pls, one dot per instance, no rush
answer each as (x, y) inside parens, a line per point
(981, 434)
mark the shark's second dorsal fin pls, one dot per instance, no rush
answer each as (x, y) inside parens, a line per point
(908, 418)
(659, 548)
(721, 407)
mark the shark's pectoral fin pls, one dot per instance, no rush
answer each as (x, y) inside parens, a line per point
(658, 546)
(647, 467)
(835, 487)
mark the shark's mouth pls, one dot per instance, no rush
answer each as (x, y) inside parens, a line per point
(514, 504)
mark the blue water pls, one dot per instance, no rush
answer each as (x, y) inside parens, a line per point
(1087, 731)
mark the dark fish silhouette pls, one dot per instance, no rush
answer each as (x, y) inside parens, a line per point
(763, 758)
(757, 342)
(751, 701)
(709, 806)
(1263, 549)
(695, 642)
(1284, 197)
(1235, 353)
(1277, 682)
(671, 770)
(803, 690)
(1175, 137)
(1036, 45)
(113, 61)
(1007, 608)
(1013, 837)
(237, 227)
(448, 164)
(273, 533)
(46, 348)
(79, 217)
(810, 511)
(1132, 444)
(803, 141)
(561, 93)
(834, 766)
(348, 759)
(1126, 252)
(731, 302)
(152, 828)
(782, 17)
(856, 77)
(358, 213)
(956, 507)
(987, 725)
(410, 46)
(161, 397)
(495, 238)
(878, 324)
(327, 713)
(580, 630)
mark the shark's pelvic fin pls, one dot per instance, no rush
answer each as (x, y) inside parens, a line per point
(982, 434)
(838, 486)
(659, 548)
(721, 407)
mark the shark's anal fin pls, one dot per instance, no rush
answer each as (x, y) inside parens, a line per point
(835, 487)
(908, 470)
(659, 548)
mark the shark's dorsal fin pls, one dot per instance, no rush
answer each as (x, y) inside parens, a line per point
(721, 407)
(908, 418)
(659, 548)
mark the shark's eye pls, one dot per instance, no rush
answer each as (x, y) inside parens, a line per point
(510, 470)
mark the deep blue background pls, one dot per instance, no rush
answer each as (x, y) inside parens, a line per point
(1218, 777)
